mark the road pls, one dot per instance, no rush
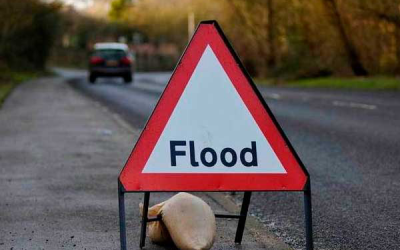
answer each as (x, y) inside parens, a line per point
(348, 140)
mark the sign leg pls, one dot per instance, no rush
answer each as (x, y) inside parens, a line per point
(243, 216)
(122, 225)
(308, 219)
(144, 219)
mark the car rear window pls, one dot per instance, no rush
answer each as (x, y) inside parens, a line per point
(110, 54)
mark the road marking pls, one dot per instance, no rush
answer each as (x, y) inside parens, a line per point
(104, 131)
(354, 105)
(272, 96)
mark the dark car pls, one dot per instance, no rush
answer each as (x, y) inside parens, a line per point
(110, 60)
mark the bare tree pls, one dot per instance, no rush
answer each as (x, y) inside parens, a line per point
(271, 34)
(353, 57)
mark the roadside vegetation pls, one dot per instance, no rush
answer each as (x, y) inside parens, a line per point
(364, 83)
(367, 83)
(285, 39)
(79, 33)
(28, 29)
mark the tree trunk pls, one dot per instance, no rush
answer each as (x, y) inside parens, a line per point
(271, 36)
(354, 59)
(398, 49)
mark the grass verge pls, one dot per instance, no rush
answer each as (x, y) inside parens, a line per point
(10, 79)
(366, 83)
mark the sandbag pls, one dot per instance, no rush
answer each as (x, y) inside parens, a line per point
(157, 231)
(190, 222)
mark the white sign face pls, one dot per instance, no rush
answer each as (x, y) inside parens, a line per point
(211, 130)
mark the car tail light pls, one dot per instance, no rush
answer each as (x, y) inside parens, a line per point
(96, 60)
(126, 60)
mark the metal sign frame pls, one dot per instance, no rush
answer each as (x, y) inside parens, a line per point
(241, 223)
(247, 193)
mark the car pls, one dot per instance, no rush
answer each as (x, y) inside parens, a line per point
(111, 60)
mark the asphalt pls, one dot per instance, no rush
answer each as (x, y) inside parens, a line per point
(60, 156)
(348, 140)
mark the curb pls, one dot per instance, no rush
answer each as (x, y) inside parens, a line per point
(256, 228)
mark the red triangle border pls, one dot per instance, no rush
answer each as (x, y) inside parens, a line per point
(131, 178)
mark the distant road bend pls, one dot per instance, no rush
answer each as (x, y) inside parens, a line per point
(348, 140)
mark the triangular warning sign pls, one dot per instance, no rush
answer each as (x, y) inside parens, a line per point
(211, 130)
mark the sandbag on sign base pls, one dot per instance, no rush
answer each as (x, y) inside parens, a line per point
(190, 222)
(157, 231)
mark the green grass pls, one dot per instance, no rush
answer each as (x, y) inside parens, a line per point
(5, 90)
(368, 83)
(10, 79)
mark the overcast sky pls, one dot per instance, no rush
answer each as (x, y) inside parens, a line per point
(79, 4)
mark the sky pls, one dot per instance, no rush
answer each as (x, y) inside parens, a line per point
(79, 4)
(95, 8)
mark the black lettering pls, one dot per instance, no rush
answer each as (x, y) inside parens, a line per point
(253, 152)
(223, 157)
(192, 155)
(213, 157)
(174, 152)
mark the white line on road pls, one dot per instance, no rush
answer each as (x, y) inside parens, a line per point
(272, 96)
(354, 105)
